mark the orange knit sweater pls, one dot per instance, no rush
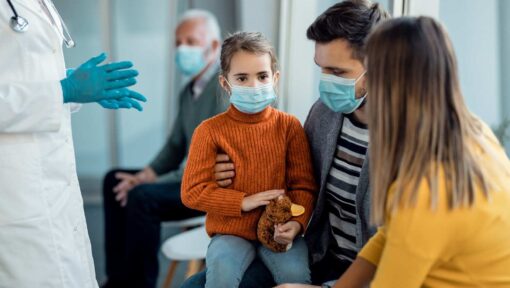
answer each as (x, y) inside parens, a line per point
(269, 151)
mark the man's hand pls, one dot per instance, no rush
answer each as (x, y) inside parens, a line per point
(260, 199)
(129, 181)
(285, 233)
(223, 170)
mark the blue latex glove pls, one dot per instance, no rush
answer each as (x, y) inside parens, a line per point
(92, 83)
(124, 102)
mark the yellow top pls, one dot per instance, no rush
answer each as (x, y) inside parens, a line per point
(465, 247)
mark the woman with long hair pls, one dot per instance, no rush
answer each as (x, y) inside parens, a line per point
(440, 179)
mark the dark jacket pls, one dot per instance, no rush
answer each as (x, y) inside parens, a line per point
(323, 128)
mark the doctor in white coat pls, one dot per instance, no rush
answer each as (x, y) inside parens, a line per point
(43, 235)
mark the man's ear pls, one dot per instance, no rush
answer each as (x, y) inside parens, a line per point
(364, 81)
(215, 45)
(363, 86)
(212, 50)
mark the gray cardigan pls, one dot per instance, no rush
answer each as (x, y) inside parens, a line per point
(323, 127)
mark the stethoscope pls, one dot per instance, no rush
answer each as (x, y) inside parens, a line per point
(20, 24)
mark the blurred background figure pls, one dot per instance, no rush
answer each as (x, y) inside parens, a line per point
(143, 31)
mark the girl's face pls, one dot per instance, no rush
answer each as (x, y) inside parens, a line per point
(251, 70)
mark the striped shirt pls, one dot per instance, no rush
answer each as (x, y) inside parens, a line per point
(341, 187)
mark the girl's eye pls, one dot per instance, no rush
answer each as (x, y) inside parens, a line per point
(263, 77)
(241, 79)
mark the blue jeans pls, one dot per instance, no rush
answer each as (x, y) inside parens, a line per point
(256, 276)
(228, 257)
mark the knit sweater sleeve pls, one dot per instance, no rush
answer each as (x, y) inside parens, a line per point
(301, 186)
(199, 191)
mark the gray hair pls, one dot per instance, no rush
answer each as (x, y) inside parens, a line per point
(210, 22)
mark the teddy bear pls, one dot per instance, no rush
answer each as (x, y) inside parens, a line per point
(278, 211)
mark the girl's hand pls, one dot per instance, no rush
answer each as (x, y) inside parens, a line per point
(285, 233)
(260, 199)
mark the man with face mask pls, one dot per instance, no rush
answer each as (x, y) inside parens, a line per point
(137, 201)
(336, 128)
(338, 134)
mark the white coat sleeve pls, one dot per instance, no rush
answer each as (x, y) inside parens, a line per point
(28, 107)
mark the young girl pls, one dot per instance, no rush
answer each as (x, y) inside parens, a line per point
(271, 154)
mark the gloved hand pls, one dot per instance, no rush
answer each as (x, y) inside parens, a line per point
(124, 102)
(93, 83)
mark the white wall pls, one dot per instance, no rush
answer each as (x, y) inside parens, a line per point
(260, 16)
(144, 34)
(224, 10)
(474, 30)
(299, 77)
(89, 125)
(504, 34)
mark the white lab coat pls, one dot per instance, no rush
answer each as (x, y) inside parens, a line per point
(44, 240)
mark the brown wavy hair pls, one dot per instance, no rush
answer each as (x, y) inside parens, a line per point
(419, 124)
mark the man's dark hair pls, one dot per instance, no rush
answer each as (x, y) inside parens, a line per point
(351, 20)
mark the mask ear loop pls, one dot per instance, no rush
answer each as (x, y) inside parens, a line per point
(359, 77)
(276, 92)
(275, 86)
(364, 96)
(229, 86)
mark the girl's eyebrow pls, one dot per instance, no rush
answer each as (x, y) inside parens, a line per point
(246, 74)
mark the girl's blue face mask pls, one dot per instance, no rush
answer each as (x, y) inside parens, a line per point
(339, 94)
(252, 99)
(190, 59)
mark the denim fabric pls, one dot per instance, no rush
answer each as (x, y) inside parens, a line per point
(228, 257)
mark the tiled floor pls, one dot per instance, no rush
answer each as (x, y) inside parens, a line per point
(94, 214)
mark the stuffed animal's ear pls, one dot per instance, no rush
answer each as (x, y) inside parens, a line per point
(297, 210)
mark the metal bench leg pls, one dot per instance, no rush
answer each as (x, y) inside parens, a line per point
(170, 274)
(194, 266)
